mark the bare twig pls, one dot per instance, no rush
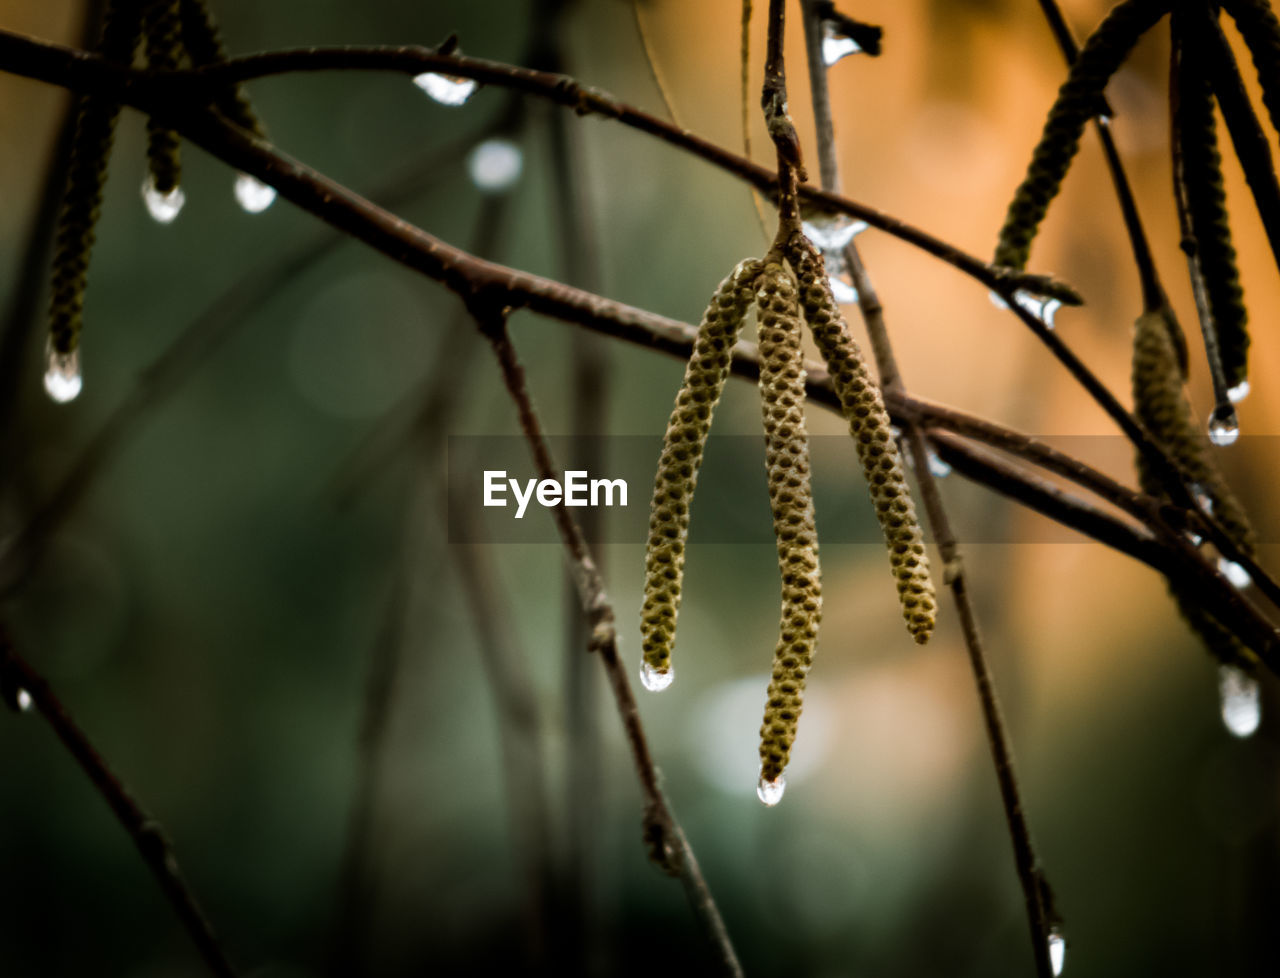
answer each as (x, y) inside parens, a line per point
(148, 835)
(1030, 876)
(668, 845)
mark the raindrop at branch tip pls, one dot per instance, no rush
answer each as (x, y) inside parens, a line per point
(253, 195)
(770, 792)
(446, 89)
(163, 208)
(1233, 572)
(831, 233)
(1057, 950)
(937, 466)
(835, 45)
(1043, 307)
(653, 680)
(495, 164)
(1238, 393)
(62, 380)
(1224, 429)
(844, 293)
(1241, 699)
(24, 700)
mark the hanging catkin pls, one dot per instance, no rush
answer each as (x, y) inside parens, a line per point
(86, 175)
(1261, 32)
(164, 53)
(782, 396)
(1207, 209)
(873, 438)
(1078, 100)
(1162, 408)
(682, 450)
(203, 43)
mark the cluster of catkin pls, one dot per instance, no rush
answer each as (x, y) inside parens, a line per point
(788, 288)
(1161, 406)
(170, 33)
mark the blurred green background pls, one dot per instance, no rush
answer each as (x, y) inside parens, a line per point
(210, 607)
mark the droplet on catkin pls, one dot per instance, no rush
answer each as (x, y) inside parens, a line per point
(770, 792)
(836, 45)
(446, 89)
(937, 466)
(654, 680)
(163, 207)
(253, 195)
(1238, 393)
(495, 164)
(1233, 572)
(842, 291)
(1241, 700)
(24, 701)
(830, 233)
(62, 380)
(1057, 950)
(1224, 428)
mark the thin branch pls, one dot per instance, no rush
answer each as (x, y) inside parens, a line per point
(1034, 886)
(172, 95)
(18, 676)
(668, 845)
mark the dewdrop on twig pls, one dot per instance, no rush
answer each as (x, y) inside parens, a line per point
(24, 701)
(832, 233)
(782, 398)
(450, 90)
(835, 45)
(1057, 950)
(1043, 307)
(252, 194)
(1241, 699)
(875, 442)
(683, 446)
(163, 207)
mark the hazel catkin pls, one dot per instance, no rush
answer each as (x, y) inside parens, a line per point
(782, 397)
(682, 451)
(1162, 408)
(873, 438)
(160, 25)
(1078, 100)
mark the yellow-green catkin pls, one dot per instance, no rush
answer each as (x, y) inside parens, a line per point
(1162, 407)
(782, 396)
(160, 26)
(1079, 100)
(682, 451)
(873, 438)
(86, 174)
(203, 44)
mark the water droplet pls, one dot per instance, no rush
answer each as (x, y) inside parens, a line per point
(1224, 429)
(937, 466)
(1043, 307)
(446, 89)
(836, 45)
(1241, 700)
(62, 380)
(253, 195)
(830, 233)
(1233, 572)
(1057, 950)
(770, 792)
(842, 291)
(1238, 393)
(24, 700)
(495, 164)
(163, 208)
(655, 681)
(997, 299)
(1202, 497)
